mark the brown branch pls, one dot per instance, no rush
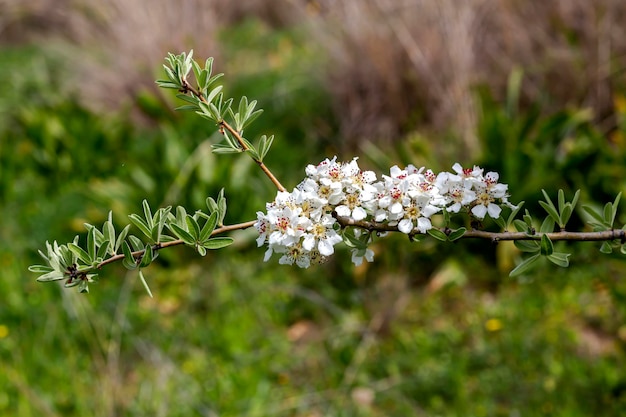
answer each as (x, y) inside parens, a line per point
(139, 253)
(606, 235)
(225, 126)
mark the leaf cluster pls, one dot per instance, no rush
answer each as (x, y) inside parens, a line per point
(208, 101)
(78, 265)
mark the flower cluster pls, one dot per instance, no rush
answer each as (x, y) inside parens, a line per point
(302, 225)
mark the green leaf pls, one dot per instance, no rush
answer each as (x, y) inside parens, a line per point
(51, 276)
(129, 260)
(547, 248)
(520, 226)
(220, 148)
(148, 215)
(251, 118)
(253, 154)
(108, 230)
(438, 234)
(91, 244)
(103, 250)
(561, 200)
(135, 242)
(182, 234)
(146, 258)
(608, 214)
(211, 96)
(547, 226)
(201, 250)
(596, 216)
(141, 224)
(457, 234)
(83, 287)
(524, 266)
(560, 259)
(189, 99)
(80, 253)
(575, 199)
(187, 107)
(500, 222)
(606, 248)
(211, 204)
(145, 283)
(566, 213)
(218, 242)
(208, 228)
(40, 269)
(193, 227)
(615, 205)
(551, 211)
(121, 237)
(221, 207)
(527, 245)
(265, 145)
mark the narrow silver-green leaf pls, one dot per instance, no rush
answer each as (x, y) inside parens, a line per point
(193, 227)
(547, 248)
(51, 276)
(145, 283)
(606, 248)
(103, 250)
(80, 253)
(551, 210)
(608, 214)
(91, 244)
(208, 228)
(527, 245)
(457, 234)
(561, 200)
(183, 234)
(141, 224)
(40, 269)
(615, 205)
(547, 226)
(438, 234)
(129, 260)
(135, 242)
(594, 214)
(146, 258)
(524, 266)
(560, 259)
(147, 214)
(566, 213)
(121, 237)
(218, 242)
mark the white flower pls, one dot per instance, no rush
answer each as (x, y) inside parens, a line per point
(321, 236)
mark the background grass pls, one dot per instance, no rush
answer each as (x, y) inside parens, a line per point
(427, 329)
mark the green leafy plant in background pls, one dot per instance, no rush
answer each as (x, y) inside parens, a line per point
(336, 202)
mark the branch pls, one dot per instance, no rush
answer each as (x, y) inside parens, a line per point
(607, 235)
(138, 254)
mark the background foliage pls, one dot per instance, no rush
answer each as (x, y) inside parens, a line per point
(427, 329)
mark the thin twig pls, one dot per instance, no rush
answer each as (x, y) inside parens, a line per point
(606, 235)
(225, 126)
(139, 253)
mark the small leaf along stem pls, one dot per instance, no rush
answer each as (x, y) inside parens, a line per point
(187, 88)
(261, 165)
(137, 254)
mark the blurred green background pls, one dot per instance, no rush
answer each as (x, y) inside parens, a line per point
(534, 90)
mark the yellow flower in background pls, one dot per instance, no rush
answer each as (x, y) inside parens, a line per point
(493, 325)
(4, 331)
